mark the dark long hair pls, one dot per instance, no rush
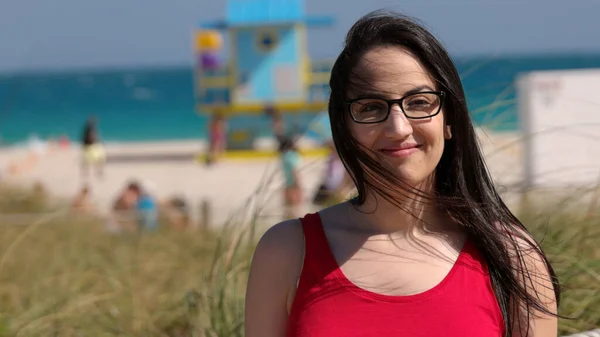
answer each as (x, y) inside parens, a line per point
(463, 186)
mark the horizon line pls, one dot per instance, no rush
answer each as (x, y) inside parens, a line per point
(179, 65)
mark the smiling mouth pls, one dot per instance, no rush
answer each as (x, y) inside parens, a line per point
(400, 152)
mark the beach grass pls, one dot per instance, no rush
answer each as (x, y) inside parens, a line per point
(62, 274)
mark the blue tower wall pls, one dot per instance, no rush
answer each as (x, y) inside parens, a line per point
(266, 74)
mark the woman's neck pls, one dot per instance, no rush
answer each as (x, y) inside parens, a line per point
(408, 215)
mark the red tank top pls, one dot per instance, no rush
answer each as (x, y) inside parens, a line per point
(327, 304)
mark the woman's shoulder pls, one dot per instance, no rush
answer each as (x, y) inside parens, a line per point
(277, 263)
(275, 269)
(518, 240)
(533, 271)
(282, 235)
(282, 245)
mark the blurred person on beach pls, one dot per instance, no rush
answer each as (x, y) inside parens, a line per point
(217, 138)
(336, 181)
(63, 141)
(82, 202)
(146, 207)
(290, 163)
(94, 154)
(134, 210)
(123, 217)
(427, 247)
(278, 126)
(177, 212)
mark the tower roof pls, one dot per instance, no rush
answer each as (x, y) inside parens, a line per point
(266, 12)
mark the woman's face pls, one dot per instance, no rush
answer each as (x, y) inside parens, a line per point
(411, 148)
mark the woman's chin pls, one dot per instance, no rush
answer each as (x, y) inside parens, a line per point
(412, 178)
(408, 173)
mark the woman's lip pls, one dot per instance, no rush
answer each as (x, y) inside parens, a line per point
(400, 152)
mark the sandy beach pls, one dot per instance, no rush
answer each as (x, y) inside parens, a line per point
(168, 169)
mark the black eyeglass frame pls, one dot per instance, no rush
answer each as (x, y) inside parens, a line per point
(399, 101)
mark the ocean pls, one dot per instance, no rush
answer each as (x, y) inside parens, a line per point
(157, 104)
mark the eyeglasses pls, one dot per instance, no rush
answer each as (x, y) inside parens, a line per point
(419, 105)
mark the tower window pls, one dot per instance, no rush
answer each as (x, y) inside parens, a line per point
(267, 40)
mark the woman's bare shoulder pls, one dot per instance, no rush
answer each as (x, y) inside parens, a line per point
(281, 249)
(284, 238)
(276, 265)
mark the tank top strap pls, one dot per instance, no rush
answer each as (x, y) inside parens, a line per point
(319, 262)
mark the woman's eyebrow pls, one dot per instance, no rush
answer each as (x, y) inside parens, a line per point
(384, 95)
(418, 89)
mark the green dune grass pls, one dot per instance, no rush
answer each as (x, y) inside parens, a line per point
(63, 275)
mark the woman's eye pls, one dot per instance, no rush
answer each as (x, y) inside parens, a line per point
(418, 103)
(372, 107)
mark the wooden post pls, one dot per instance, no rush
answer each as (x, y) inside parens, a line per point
(205, 214)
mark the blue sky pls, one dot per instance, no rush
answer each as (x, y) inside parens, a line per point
(58, 34)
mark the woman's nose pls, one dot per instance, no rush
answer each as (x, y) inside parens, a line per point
(397, 125)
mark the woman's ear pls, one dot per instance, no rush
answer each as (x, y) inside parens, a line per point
(448, 132)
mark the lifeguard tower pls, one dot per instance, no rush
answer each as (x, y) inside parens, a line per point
(264, 67)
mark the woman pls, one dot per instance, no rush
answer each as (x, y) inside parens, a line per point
(93, 151)
(427, 248)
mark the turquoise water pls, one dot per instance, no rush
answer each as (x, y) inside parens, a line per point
(158, 104)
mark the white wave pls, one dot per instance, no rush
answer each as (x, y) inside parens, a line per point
(143, 94)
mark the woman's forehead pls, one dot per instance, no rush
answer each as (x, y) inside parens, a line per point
(390, 69)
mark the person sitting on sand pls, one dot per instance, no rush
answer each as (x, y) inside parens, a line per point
(82, 202)
(123, 210)
(176, 211)
(146, 208)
